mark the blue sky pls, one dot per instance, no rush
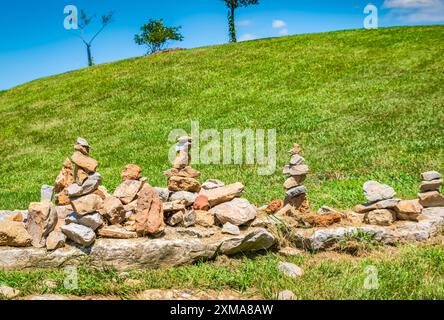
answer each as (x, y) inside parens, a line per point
(35, 43)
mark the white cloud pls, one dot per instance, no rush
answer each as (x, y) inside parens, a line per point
(247, 37)
(416, 10)
(278, 24)
(244, 23)
(283, 32)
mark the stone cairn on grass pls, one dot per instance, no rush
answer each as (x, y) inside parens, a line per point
(430, 195)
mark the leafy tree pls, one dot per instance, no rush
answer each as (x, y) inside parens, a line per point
(84, 22)
(232, 6)
(155, 35)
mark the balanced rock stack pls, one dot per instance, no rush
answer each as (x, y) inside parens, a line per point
(430, 195)
(296, 194)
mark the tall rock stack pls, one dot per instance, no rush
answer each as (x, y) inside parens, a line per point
(297, 170)
(430, 195)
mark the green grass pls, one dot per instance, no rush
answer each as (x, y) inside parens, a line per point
(365, 104)
(410, 272)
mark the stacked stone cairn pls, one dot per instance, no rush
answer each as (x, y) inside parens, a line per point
(430, 195)
(383, 208)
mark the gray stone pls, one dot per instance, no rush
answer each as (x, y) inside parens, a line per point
(432, 185)
(91, 220)
(430, 175)
(383, 204)
(80, 234)
(286, 295)
(230, 229)
(294, 192)
(173, 206)
(258, 239)
(237, 211)
(82, 142)
(375, 191)
(212, 184)
(163, 193)
(89, 185)
(290, 269)
(46, 192)
(296, 160)
(184, 197)
(189, 218)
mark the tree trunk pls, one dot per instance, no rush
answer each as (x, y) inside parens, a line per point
(88, 52)
(231, 25)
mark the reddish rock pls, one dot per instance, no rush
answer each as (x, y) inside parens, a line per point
(149, 219)
(65, 177)
(127, 190)
(42, 219)
(85, 162)
(201, 203)
(62, 199)
(131, 172)
(323, 220)
(81, 176)
(176, 183)
(274, 206)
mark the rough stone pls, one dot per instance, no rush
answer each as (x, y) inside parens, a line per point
(237, 211)
(14, 234)
(189, 218)
(300, 203)
(375, 191)
(175, 218)
(290, 269)
(229, 228)
(201, 203)
(131, 172)
(381, 217)
(55, 240)
(173, 206)
(431, 199)
(212, 184)
(80, 234)
(383, 204)
(113, 210)
(296, 159)
(298, 170)
(102, 192)
(204, 218)
(163, 193)
(432, 185)
(290, 252)
(258, 239)
(65, 177)
(89, 185)
(177, 183)
(127, 190)
(322, 220)
(408, 210)
(8, 292)
(46, 193)
(430, 175)
(92, 220)
(42, 219)
(184, 197)
(223, 194)
(87, 204)
(81, 176)
(286, 295)
(297, 191)
(85, 162)
(116, 232)
(274, 206)
(293, 182)
(149, 219)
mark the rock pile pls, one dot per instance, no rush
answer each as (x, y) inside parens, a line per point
(430, 195)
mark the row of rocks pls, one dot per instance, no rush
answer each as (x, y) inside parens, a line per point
(430, 195)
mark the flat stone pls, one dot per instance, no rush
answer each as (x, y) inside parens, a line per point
(296, 191)
(85, 162)
(87, 204)
(431, 199)
(290, 269)
(176, 183)
(223, 194)
(298, 170)
(237, 211)
(173, 206)
(42, 219)
(408, 210)
(14, 234)
(184, 197)
(294, 181)
(432, 185)
(116, 232)
(46, 193)
(258, 239)
(91, 220)
(55, 240)
(127, 190)
(430, 175)
(229, 228)
(375, 191)
(113, 210)
(91, 184)
(296, 159)
(131, 172)
(80, 234)
(381, 217)
(212, 184)
(383, 204)
(290, 252)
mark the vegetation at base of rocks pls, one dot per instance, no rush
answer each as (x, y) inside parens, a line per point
(356, 243)
(406, 272)
(364, 105)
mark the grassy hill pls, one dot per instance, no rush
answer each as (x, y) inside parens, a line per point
(365, 104)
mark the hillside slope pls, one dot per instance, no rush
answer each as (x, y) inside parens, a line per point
(365, 104)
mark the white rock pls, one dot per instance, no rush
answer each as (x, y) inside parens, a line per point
(92, 220)
(237, 211)
(430, 175)
(290, 269)
(212, 184)
(46, 193)
(231, 229)
(375, 191)
(79, 234)
(184, 197)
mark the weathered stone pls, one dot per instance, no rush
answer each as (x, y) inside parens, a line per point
(89, 185)
(286, 295)
(182, 160)
(237, 211)
(92, 220)
(432, 185)
(81, 176)
(296, 159)
(55, 240)
(163, 193)
(431, 199)
(102, 192)
(408, 210)
(294, 181)
(322, 220)
(127, 190)
(173, 206)
(186, 172)
(62, 199)
(381, 217)
(189, 218)
(116, 232)
(204, 218)
(42, 219)
(46, 193)
(297, 191)
(274, 206)
(229, 228)
(113, 210)
(65, 177)
(201, 203)
(176, 183)
(175, 218)
(85, 162)
(184, 197)
(258, 239)
(149, 219)
(212, 184)
(8, 292)
(87, 204)
(131, 172)
(14, 234)
(430, 175)
(80, 234)
(290, 269)
(375, 191)
(383, 204)
(15, 215)
(327, 210)
(298, 170)
(223, 194)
